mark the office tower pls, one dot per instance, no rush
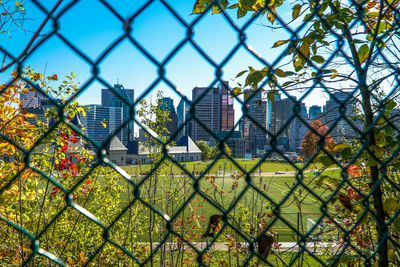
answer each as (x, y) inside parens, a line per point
(101, 121)
(227, 111)
(207, 110)
(342, 130)
(167, 103)
(183, 116)
(280, 112)
(255, 136)
(214, 110)
(314, 112)
(110, 99)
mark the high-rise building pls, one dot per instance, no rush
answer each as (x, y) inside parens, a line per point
(167, 103)
(289, 136)
(227, 111)
(214, 110)
(314, 112)
(100, 122)
(342, 130)
(110, 99)
(183, 116)
(254, 135)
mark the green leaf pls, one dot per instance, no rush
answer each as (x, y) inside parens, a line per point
(363, 53)
(396, 224)
(296, 11)
(391, 205)
(233, 6)
(339, 147)
(372, 14)
(289, 73)
(280, 42)
(304, 50)
(201, 6)
(287, 83)
(382, 26)
(241, 73)
(391, 105)
(314, 48)
(298, 64)
(318, 59)
(279, 73)
(254, 78)
(241, 13)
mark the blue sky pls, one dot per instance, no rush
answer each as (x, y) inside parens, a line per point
(91, 27)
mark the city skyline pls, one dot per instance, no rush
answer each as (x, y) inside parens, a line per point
(214, 109)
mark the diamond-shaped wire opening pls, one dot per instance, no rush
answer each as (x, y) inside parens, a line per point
(77, 229)
(160, 33)
(89, 44)
(141, 234)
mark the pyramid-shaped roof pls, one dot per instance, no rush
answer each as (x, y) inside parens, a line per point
(116, 145)
(189, 144)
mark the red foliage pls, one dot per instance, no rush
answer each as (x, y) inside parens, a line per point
(354, 170)
(310, 142)
(55, 191)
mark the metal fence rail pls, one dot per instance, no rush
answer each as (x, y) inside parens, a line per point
(363, 227)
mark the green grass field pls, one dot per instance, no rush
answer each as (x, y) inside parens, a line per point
(251, 203)
(221, 164)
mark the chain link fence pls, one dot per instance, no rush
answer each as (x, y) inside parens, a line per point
(66, 203)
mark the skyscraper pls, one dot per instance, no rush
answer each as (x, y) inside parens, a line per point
(227, 111)
(214, 110)
(280, 112)
(167, 103)
(100, 122)
(314, 112)
(342, 130)
(110, 99)
(183, 116)
(256, 137)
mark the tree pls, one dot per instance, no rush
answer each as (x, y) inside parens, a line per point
(311, 139)
(205, 150)
(208, 152)
(32, 197)
(12, 16)
(343, 45)
(215, 151)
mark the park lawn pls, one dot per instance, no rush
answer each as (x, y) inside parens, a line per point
(250, 202)
(221, 164)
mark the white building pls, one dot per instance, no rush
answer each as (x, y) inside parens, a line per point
(185, 151)
(117, 152)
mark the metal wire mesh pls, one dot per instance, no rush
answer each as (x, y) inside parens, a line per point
(347, 241)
